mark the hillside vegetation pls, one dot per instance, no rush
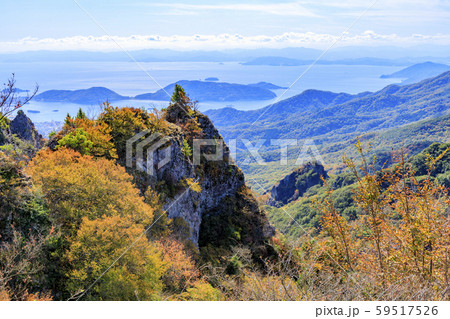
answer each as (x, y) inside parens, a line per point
(77, 222)
(412, 138)
(304, 211)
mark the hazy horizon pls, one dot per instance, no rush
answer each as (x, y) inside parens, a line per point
(134, 25)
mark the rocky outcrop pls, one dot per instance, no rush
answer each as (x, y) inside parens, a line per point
(219, 209)
(297, 183)
(24, 129)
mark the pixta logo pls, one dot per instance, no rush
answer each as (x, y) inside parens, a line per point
(149, 153)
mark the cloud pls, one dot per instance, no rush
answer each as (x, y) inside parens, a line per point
(386, 4)
(221, 41)
(280, 9)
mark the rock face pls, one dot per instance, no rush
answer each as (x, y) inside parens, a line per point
(24, 128)
(222, 208)
(297, 183)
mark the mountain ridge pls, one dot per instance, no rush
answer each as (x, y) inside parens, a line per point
(321, 112)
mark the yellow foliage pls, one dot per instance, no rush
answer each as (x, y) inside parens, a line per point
(180, 268)
(125, 122)
(76, 186)
(98, 133)
(4, 296)
(201, 291)
(404, 231)
(193, 184)
(136, 265)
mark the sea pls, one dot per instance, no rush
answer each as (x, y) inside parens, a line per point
(130, 79)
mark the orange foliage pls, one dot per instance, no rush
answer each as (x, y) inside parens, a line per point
(181, 270)
(38, 297)
(97, 132)
(76, 186)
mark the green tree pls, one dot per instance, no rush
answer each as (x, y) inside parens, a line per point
(179, 95)
(81, 115)
(77, 140)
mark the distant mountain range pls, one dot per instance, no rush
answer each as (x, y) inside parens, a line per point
(418, 72)
(315, 113)
(409, 117)
(416, 54)
(17, 90)
(282, 61)
(93, 95)
(197, 90)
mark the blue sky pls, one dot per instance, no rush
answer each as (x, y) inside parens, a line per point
(62, 25)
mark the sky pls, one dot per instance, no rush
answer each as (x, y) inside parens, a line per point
(211, 25)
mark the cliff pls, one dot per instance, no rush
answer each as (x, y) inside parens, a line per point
(23, 128)
(297, 183)
(220, 210)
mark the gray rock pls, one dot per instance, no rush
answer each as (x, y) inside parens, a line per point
(223, 189)
(297, 183)
(24, 129)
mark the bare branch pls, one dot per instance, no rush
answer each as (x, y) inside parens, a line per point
(10, 100)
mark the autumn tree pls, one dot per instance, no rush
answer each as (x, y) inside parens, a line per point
(126, 122)
(402, 233)
(76, 186)
(179, 94)
(88, 137)
(78, 141)
(370, 197)
(113, 254)
(339, 230)
(181, 271)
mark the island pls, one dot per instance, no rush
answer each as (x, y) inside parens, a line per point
(268, 86)
(93, 95)
(213, 91)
